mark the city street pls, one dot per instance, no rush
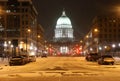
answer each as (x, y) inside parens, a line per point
(60, 69)
(59, 40)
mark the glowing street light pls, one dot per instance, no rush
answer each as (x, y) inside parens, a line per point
(5, 44)
(87, 36)
(91, 49)
(95, 30)
(100, 48)
(38, 36)
(119, 44)
(81, 41)
(11, 46)
(113, 45)
(105, 47)
(29, 30)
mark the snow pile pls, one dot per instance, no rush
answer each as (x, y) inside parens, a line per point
(117, 60)
(3, 61)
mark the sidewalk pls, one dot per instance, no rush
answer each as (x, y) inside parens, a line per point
(4, 62)
(117, 60)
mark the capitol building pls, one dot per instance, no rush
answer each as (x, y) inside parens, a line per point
(63, 34)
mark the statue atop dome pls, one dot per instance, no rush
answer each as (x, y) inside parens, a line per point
(63, 13)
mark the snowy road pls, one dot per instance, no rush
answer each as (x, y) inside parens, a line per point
(61, 69)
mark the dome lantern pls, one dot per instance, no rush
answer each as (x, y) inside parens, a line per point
(63, 13)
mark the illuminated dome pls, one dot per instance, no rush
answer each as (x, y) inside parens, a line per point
(63, 21)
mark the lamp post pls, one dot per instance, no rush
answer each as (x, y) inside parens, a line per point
(28, 31)
(8, 49)
(96, 39)
(38, 37)
(113, 46)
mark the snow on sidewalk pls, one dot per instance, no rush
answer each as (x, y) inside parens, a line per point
(117, 60)
(3, 62)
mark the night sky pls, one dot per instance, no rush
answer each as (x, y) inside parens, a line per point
(80, 12)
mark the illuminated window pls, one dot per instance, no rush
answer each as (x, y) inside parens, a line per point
(64, 49)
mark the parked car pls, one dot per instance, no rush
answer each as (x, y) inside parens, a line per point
(43, 55)
(92, 57)
(106, 59)
(17, 60)
(26, 57)
(32, 58)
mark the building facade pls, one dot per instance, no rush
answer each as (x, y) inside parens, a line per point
(104, 35)
(40, 39)
(18, 26)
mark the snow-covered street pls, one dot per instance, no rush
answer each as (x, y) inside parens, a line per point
(61, 69)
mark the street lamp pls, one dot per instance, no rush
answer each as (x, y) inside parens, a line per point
(119, 44)
(38, 37)
(95, 30)
(96, 39)
(87, 36)
(28, 31)
(91, 49)
(81, 41)
(113, 45)
(7, 49)
(100, 48)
